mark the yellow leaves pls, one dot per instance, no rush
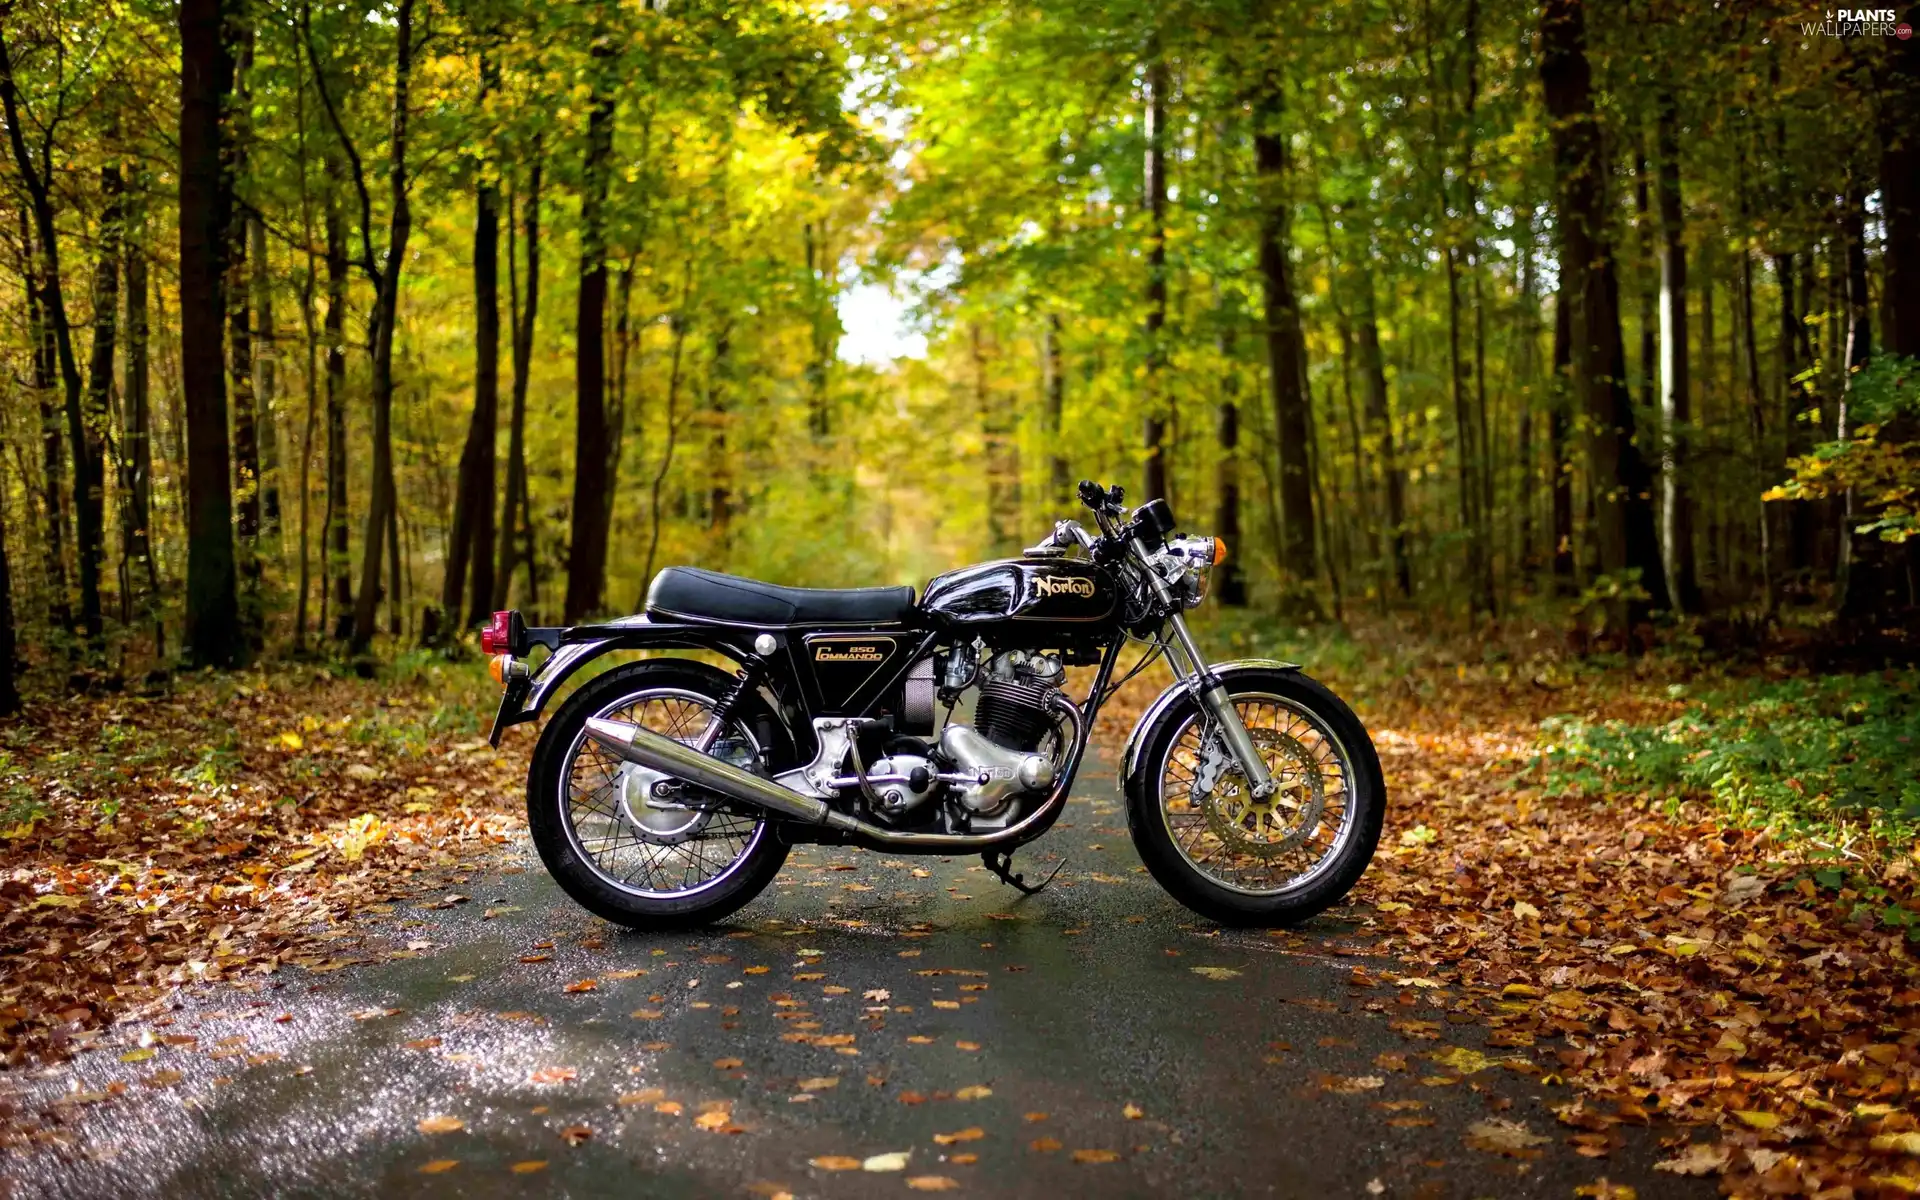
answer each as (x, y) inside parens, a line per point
(726, 1064)
(1757, 1120)
(132, 1056)
(972, 1133)
(896, 1161)
(820, 1083)
(1511, 1139)
(1905, 1142)
(644, 1096)
(290, 740)
(1463, 1060)
(1522, 911)
(529, 1167)
(1348, 1085)
(358, 835)
(439, 1166)
(440, 1124)
(1220, 974)
(932, 1183)
(57, 900)
(834, 1162)
(554, 1075)
(973, 1092)
(1132, 1112)
(1698, 1158)
(1044, 1145)
(1096, 1156)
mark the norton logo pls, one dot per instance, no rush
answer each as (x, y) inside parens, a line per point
(1071, 585)
(848, 654)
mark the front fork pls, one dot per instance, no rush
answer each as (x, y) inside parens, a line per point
(1212, 695)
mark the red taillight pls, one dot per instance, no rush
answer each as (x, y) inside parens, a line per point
(497, 637)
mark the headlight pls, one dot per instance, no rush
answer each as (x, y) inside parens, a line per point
(1189, 560)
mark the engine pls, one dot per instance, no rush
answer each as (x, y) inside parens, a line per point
(971, 776)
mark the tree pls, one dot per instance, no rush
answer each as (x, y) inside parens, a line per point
(1155, 482)
(1286, 350)
(1623, 519)
(214, 636)
(587, 551)
(1676, 508)
(471, 540)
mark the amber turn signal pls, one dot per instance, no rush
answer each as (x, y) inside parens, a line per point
(497, 667)
(1219, 551)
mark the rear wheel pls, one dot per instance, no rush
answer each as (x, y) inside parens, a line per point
(624, 853)
(1246, 860)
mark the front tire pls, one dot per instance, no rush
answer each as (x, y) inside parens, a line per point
(1246, 861)
(661, 870)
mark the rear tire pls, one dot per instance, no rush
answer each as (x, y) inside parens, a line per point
(553, 805)
(1231, 856)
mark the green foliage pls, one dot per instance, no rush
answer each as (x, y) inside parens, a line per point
(1809, 757)
(1880, 463)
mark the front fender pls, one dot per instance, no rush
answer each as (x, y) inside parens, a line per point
(1224, 671)
(527, 696)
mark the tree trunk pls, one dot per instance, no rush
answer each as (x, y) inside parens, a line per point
(1373, 372)
(1559, 431)
(336, 537)
(471, 541)
(37, 181)
(1676, 412)
(587, 548)
(136, 438)
(1154, 481)
(9, 689)
(1286, 356)
(1899, 88)
(240, 372)
(266, 376)
(381, 508)
(1230, 580)
(52, 454)
(214, 636)
(1623, 516)
(90, 464)
(515, 518)
(1060, 487)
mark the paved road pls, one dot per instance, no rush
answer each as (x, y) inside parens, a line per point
(858, 1009)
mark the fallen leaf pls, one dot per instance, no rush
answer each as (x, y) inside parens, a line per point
(1501, 1136)
(1219, 973)
(574, 1135)
(896, 1161)
(932, 1183)
(529, 1167)
(554, 1075)
(439, 1166)
(725, 1064)
(973, 1092)
(1096, 1156)
(1045, 1145)
(1132, 1112)
(971, 1134)
(440, 1124)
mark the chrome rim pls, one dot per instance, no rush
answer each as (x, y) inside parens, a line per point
(657, 853)
(1267, 847)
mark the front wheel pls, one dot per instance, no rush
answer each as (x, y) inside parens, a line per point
(1274, 860)
(611, 844)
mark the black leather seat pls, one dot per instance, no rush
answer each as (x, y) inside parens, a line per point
(689, 593)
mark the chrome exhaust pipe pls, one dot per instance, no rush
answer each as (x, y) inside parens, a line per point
(649, 749)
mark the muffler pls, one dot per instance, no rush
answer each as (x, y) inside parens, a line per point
(663, 754)
(682, 761)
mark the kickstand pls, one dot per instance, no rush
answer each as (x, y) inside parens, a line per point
(1000, 862)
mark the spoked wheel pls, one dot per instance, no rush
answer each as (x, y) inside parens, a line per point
(1242, 858)
(631, 844)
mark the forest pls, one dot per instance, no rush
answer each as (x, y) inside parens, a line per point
(332, 327)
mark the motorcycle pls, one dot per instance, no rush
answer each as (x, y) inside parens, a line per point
(666, 793)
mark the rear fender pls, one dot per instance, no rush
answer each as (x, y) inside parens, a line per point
(527, 695)
(1226, 671)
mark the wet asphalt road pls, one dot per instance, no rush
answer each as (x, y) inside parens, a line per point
(1038, 1022)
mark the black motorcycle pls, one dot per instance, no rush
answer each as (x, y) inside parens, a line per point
(666, 792)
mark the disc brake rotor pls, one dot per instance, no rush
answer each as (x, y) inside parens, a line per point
(1270, 826)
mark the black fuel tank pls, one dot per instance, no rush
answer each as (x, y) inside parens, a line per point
(1042, 590)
